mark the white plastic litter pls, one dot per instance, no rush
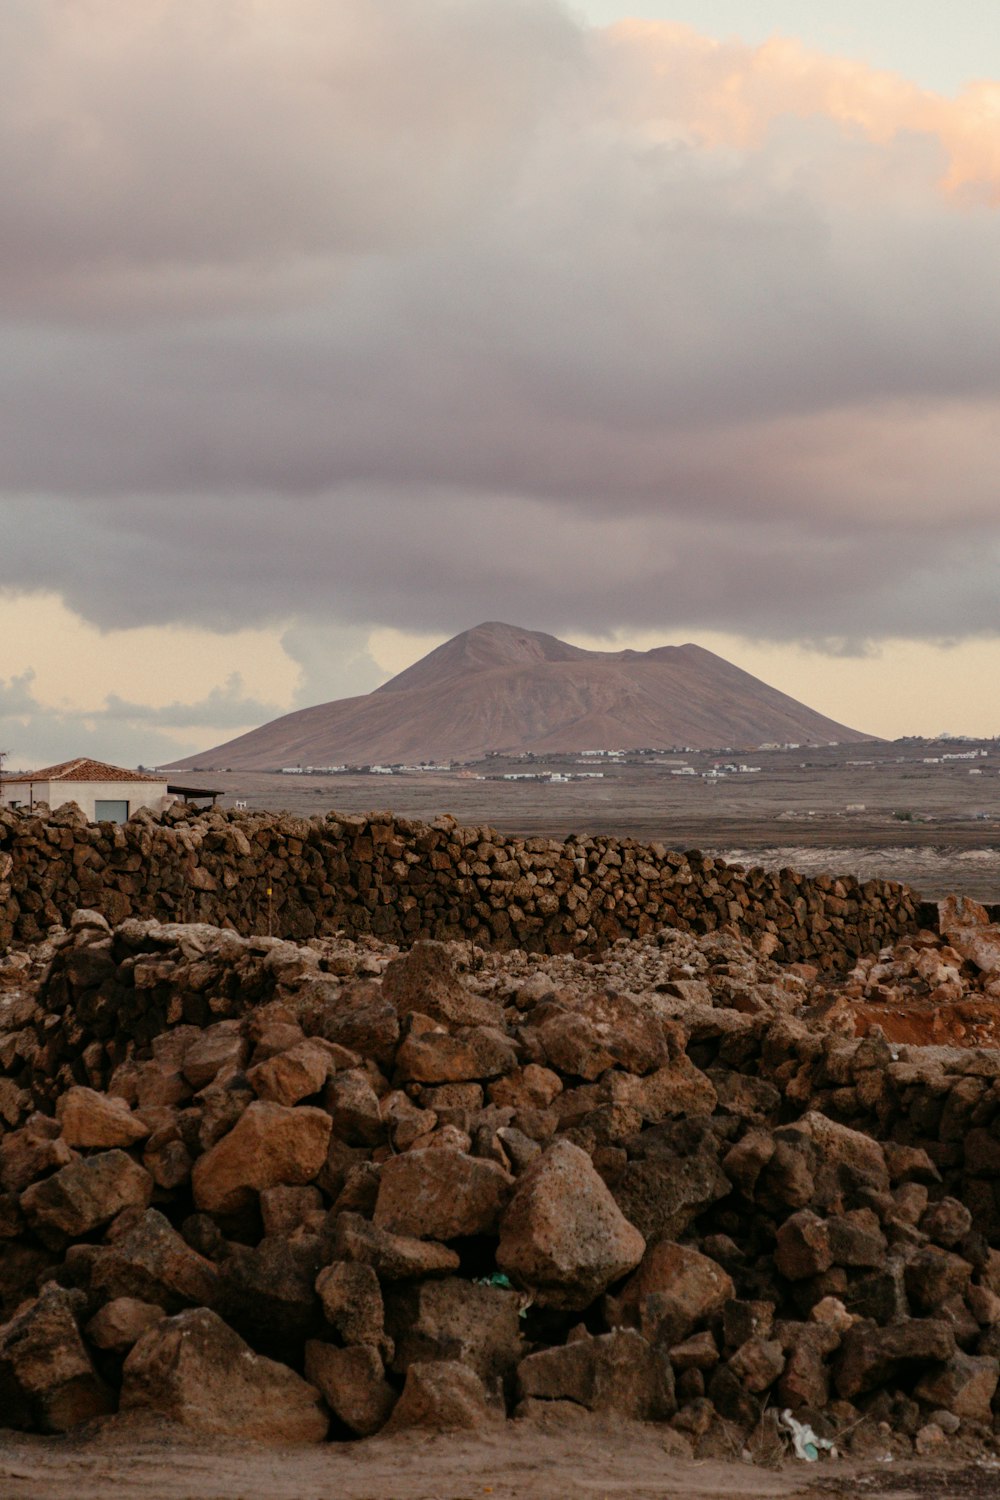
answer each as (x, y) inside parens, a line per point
(805, 1442)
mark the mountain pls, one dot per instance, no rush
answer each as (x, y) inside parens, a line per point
(501, 688)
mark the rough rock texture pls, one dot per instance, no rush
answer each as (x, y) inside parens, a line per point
(404, 881)
(196, 1370)
(691, 1184)
(47, 1378)
(268, 1145)
(562, 1235)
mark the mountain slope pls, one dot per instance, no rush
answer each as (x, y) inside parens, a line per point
(497, 687)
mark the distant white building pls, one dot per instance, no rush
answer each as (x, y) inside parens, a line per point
(104, 794)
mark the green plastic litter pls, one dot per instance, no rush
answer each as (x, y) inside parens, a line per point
(499, 1279)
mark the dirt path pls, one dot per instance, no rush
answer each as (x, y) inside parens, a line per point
(517, 1462)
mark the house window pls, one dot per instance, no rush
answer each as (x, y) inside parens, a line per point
(110, 812)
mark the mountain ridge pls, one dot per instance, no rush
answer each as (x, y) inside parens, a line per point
(499, 687)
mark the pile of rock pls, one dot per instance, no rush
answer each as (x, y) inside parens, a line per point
(936, 988)
(292, 1192)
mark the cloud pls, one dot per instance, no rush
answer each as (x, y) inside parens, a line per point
(410, 316)
(120, 732)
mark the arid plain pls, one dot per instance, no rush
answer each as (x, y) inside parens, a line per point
(896, 810)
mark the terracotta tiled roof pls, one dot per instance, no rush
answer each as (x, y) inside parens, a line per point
(82, 770)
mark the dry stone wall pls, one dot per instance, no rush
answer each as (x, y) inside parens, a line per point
(402, 881)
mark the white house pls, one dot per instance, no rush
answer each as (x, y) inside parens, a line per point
(104, 794)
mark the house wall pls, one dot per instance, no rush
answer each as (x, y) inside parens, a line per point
(151, 794)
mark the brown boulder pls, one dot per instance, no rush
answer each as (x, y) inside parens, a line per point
(87, 1118)
(352, 1382)
(457, 1319)
(443, 1396)
(151, 1262)
(440, 1195)
(88, 1193)
(933, 1275)
(965, 1386)
(470, 1053)
(757, 1364)
(393, 1257)
(562, 1235)
(662, 1195)
(871, 1356)
(268, 1145)
(617, 1372)
(121, 1322)
(355, 1109)
(194, 1369)
(802, 1246)
(290, 1076)
(967, 928)
(352, 1303)
(677, 1088)
(219, 1049)
(30, 1152)
(674, 1289)
(47, 1380)
(424, 980)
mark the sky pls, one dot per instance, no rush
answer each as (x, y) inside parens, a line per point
(332, 330)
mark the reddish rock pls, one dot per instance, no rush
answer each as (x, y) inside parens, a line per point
(355, 1109)
(440, 1195)
(562, 1235)
(425, 980)
(404, 1122)
(88, 1193)
(472, 1052)
(352, 1303)
(151, 1262)
(871, 1356)
(674, 1289)
(967, 927)
(757, 1364)
(87, 1118)
(269, 1144)
(353, 1384)
(676, 1089)
(394, 1257)
(287, 1211)
(965, 1386)
(194, 1369)
(121, 1323)
(219, 1049)
(532, 1087)
(290, 1076)
(617, 1372)
(805, 1380)
(571, 1042)
(32, 1151)
(662, 1195)
(933, 1275)
(802, 1246)
(47, 1380)
(362, 1021)
(443, 1396)
(457, 1319)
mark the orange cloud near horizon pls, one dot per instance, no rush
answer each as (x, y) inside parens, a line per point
(731, 93)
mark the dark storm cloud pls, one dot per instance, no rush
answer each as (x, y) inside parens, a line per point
(422, 313)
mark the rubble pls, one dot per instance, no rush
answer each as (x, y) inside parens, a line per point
(305, 1192)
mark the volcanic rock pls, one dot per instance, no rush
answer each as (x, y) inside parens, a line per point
(562, 1235)
(194, 1369)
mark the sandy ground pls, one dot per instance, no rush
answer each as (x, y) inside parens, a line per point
(151, 1461)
